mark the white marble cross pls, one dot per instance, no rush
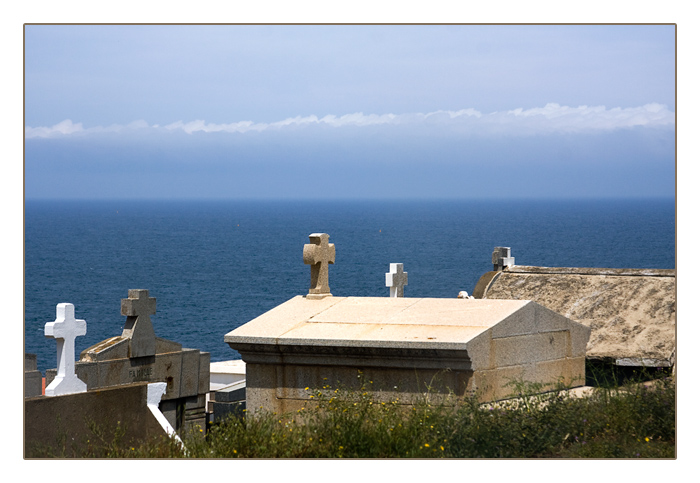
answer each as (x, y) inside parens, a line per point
(396, 279)
(319, 253)
(65, 329)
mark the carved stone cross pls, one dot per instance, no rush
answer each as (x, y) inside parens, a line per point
(65, 329)
(396, 279)
(138, 309)
(501, 258)
(319, 253)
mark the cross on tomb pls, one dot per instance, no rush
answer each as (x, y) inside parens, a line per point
(319, 253)
(501, 258)
(138, 327)
(65, 329)
(396, 279)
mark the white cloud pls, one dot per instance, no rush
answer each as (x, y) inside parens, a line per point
(584, 118)
(68, 127)
(552, 118)
(63, 127)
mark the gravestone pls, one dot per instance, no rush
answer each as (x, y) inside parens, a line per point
(396, 279)
(319, 254)
(138, 328)
(501, 258)
(65, 329)
(138, 355)
(228, 401)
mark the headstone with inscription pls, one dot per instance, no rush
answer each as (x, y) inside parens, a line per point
(138, 355)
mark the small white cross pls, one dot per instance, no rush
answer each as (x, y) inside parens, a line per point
(396, 279)
(65, 329)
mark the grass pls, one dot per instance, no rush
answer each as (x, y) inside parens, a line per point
(631, 421)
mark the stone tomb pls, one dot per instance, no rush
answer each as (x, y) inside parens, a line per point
(138, 355)
(631, 311)
(403, 346)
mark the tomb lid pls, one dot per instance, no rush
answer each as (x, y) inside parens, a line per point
(397, 323)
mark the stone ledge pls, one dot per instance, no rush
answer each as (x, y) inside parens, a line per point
(621, 272)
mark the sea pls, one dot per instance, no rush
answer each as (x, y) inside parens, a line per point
(215, 265)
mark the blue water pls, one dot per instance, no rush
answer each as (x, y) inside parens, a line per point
(213, 266)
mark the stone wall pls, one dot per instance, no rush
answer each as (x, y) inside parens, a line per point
(62, 424)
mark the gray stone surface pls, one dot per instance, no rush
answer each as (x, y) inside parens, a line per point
(138, 308)
(230, 393)
(63, 423)
(32, 376)
(228, 401)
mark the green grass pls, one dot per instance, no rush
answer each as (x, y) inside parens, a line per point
(631, 421)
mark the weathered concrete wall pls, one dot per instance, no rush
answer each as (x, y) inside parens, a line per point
(62, 424)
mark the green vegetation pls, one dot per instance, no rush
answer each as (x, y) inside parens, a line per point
(631, 421)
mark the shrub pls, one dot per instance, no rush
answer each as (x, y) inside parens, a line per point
(631, 421)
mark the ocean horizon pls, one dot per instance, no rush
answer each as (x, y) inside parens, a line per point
(215, 265)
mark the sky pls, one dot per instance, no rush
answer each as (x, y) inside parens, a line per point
(349, 111)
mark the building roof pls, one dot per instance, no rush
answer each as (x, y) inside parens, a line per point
(631, 312)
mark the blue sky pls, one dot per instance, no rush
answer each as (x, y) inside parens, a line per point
(349, 111)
